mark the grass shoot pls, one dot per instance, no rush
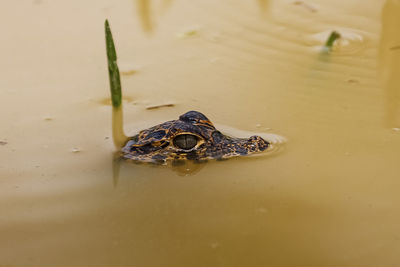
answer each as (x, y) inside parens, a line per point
(119, 136)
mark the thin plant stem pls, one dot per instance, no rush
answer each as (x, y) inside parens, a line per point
(119, 136)
(331, 39)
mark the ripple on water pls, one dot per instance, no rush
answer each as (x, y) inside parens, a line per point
(276, 141)
(351, 41)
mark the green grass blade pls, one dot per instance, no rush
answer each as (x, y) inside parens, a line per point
(332, 38)
(119, 136)
(113, 71)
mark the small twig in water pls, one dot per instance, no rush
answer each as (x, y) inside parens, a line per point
(160, 106)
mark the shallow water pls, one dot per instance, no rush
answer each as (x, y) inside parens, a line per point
(330, 198)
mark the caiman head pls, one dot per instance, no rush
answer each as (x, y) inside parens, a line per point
(191, 137)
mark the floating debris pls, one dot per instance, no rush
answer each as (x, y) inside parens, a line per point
(160, 106)
(75, 150)
(127, 68)
(306, 6)
(48, 118)
(189, 32)
(353, 81)
(3, 142)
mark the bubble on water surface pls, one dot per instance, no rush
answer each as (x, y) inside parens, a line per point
(76, 150)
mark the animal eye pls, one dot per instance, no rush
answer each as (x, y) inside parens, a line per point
(185, 141)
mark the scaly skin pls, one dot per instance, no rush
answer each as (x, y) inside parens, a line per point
(156, 144)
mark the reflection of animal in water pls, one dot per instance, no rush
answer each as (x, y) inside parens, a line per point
(263, 5)
(191, 137)
(181, 168)
(146, 15)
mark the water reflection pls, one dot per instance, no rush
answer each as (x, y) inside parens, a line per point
(187, 167)
(146, 13)
(136, 169)
(181, 168)
(263, 5)
(390, 61)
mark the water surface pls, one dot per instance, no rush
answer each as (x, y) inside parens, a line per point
(329, 199)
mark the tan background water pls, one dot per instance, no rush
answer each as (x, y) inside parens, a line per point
(330, 199)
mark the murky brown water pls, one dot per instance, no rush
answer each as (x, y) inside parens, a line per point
(331, 198)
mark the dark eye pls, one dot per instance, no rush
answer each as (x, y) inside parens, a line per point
(185, 141)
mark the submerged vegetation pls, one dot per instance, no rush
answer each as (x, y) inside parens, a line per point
(119, 136)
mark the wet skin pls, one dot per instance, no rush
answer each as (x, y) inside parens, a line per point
(191, 137)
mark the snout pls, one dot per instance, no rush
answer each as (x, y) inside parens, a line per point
(257, 143)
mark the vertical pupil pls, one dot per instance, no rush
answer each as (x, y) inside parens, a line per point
(185, 141)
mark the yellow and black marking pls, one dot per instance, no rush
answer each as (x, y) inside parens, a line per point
(191, 137)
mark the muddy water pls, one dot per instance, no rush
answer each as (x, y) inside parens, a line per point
(330, 198)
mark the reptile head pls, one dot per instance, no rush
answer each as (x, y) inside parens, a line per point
(191, 137)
